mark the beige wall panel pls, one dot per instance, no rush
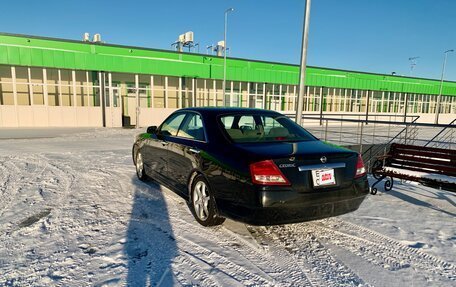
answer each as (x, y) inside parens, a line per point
(153, 117)
(8, 116)
(68, 116)
(25, 116)
(82, 117)
(430, 118)
(75, 117)
(95, 117)
(40, 116)
(55, 116)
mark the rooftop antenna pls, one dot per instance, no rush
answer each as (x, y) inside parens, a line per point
(413, 61)
(198, 49)
(209, 48)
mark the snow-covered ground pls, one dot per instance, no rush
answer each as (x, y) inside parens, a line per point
(72, 213)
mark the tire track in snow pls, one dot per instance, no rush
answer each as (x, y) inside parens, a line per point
(31, 179)
(277, 268)
(9, 176)
(316, 261)
(211, 267)
(37, 173)
(197, 275)
(221, 265)
(295, 274)
(188, 271)
(380, 249)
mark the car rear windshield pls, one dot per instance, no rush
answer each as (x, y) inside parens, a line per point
(245, 128)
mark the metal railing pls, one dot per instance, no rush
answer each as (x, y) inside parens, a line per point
(445, 138)
(372, 137)
(406, 136)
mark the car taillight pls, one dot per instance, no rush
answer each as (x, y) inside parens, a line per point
(267, 173)
(360, 168)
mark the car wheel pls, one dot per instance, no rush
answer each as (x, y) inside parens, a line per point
(140, 167)
(202, 204)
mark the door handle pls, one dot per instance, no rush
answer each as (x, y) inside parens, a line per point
(194, 150)
(164, 143)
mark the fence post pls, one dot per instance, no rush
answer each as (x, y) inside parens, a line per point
(406, 133)
(451, 137)
(340, 130)
(321, 106)
(361, 139)
(367, 105)
(326, 130)
(406, 107)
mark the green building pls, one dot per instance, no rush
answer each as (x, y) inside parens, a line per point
(55, 82)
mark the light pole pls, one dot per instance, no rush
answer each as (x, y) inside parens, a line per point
(224, 53)
(302, 75)
(437, 108)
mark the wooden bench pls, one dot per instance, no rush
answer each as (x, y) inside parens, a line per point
(434, 167)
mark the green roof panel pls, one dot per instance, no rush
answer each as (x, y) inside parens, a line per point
(23, 50)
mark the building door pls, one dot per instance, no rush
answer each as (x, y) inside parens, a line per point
(113, 106)
(132, 101)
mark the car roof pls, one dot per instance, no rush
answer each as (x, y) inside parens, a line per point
(228, 110)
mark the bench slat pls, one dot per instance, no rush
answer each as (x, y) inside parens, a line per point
(423, 167)
(423, 153)
(422, 148)
(434, 160)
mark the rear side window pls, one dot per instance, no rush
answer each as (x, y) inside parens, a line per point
(243, 128)
(171, 126)
(192, 128)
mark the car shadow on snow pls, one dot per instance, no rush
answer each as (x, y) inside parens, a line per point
(151, 246)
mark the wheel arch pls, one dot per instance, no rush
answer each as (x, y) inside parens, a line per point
(134, 150)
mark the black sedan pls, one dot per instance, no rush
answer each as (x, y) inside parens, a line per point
(254, 166)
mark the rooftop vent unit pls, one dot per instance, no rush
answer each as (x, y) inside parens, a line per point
(185, 40)
(188, 36)
(96, 38)
(86, 37)
(220, 48)
(181, 38)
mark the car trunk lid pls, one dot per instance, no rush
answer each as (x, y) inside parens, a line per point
(298, 160)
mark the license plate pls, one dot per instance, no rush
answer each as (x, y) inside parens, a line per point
(322, 177)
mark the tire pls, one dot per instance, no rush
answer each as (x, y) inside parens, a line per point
(202, 204)
(139, 164)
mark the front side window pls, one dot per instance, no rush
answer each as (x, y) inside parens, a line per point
(192, 128)
(171, 126)
(244, 128)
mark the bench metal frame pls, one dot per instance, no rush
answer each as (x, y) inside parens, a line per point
(415, 158)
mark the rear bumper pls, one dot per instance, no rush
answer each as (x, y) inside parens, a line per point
(283, 207)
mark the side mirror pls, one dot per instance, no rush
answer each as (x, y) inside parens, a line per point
(152, 130)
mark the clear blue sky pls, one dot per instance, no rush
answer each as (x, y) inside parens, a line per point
(366, 35)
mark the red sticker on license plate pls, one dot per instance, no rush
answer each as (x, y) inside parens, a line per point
(323, 177)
